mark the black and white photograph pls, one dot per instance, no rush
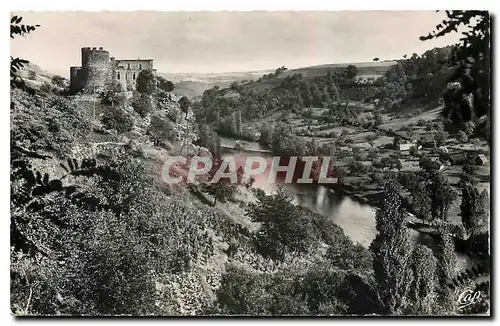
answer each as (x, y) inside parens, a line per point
(250, 163)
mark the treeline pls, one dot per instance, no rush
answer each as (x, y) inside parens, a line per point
(226, 108)
(417, 79)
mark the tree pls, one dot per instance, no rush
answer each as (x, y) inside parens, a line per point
(266, 134)
(283, 227)
(440, 137)
(346, 255)
(209, 139)
(59, 81)
(462, 136)
(379, 119)
(280, 70)
(110, 93)
(357, 168)
(184, 104)
(469, 173)
(351, 72)
(396, 142)
(445, 269)
(414, 151)
(142, 104)
(468, 95)
(391, 253)
(116, 118)
(284, 142)
(165, 85)
(237, 119)
(46, 87)
(442, 196)
(469, 128)
(146, 82)
(222, 190)
(321, 287)
(422, 293)
(391, 162)
(161, 130)
(16, 28)
(376, 59)
(103, 239)
(474, 209)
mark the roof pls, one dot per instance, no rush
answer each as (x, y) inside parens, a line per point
(482, 157)
(406, 145)
(118, 60)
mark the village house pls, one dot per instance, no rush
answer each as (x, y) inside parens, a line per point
(405, 146)
(481, 159)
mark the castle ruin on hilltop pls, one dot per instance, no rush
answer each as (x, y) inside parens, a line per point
(98, 67)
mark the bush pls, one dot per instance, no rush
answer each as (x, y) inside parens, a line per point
(243, 292)
(209, 139)
(317, 290)
(360, 156)
(441, 137)
(414, 151)
(164, 84)
(379, 119)
(146, 82)
(110, 94)
(31, 75)
(142, 104)
(59, 81)
(111, 241)
(266, 134)
(116, 118)
(462, 136)
(161, 129)
(46, 87)
(284, 228)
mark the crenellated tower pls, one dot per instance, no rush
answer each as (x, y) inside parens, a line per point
(98, 68)
(95, 70)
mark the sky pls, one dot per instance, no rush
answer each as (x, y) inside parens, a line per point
(206, 42)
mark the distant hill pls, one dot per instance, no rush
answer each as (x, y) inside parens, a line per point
(365, 69)
(35, 76)
(193, 85)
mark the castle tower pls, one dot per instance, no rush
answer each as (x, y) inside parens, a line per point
(98, 68)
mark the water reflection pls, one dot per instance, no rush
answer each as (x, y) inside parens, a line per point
(358, 221)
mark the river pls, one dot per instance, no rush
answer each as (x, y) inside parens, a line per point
(357, 220)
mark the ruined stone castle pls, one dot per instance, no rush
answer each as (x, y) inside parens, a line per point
(98, 68)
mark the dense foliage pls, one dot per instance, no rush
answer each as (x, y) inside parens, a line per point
(392, 254)
(95, 232)
(467, 97)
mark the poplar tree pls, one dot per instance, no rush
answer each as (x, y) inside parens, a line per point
(391, 252)
(423, 290)
(474, 209)
(446, 269)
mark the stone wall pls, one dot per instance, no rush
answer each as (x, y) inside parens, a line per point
(98, 68)
(127, 71)
(78, 79)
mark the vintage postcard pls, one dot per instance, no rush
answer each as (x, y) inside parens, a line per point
(224, 163)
